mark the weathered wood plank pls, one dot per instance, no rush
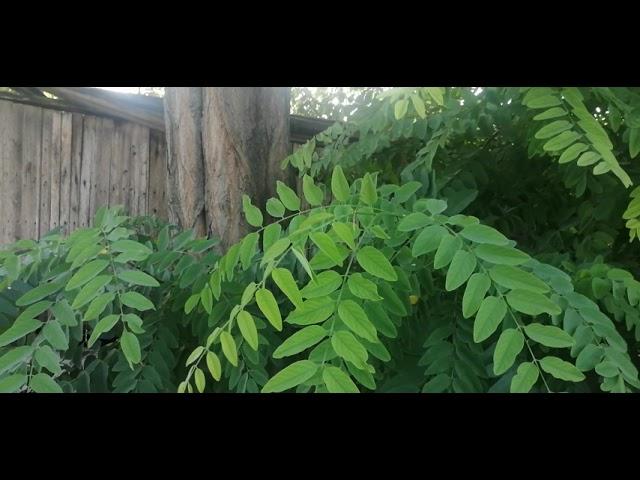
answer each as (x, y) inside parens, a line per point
(117, 164)
(55, 167)
(77, 128)
(28, 208)
(157, 175)
(140, 170)
(102, 167)
(10, 155)
(45, 174)
(87, 178)
(66, 125)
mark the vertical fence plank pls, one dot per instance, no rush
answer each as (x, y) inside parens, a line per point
(87, 178)
(66, 125)
(157, 175)
(10, 155)
(29, 218)
(102, 166)
(55, 167)
(44, 177)
(77, 129)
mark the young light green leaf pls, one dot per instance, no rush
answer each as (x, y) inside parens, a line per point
(300, 341)
(517, 279)
(339, 184)
(291, 376)
(275, 208)
(414, 221)
(345, 233)
(327, 246)
(200, 381)
(428, 240)
(436, 206)
(312, 311)
(312, 193)
(251, 212)
(248, 329)
(337, 381)
(349, 348)
(214, 366)
(356, 319)
(368, 192)
(269, 307)
(229, 347)
(363, 288)
(288, 197)
(194, 355)
(501, 255)
(374, 262)
(285, 281)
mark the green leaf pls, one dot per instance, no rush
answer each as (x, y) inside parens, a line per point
(356, 319)
(363, 288)
(549, 336)
(311, 191)
(291, 376)
(285, 281)
(206, 297)
(345, 233)
(131, 250)
(368, 192)
(337, 381)
(214, 366)
(339, 184)
(515, 278)
(48, 359)
(414, 221)
(436, 206)
(437, 93)
(275, 250)
(437, 384)
(191, 303)
(136, 277)
(312, 311)
(90, 291)
(588, 158)
(325, 283)
(634, 142)
(349, 348)
(130, 347)
(251, 212)
(428, 240)
(477, 288)
(484, 234)
(53, 333)
(525, 378)
(300, 341)
(97, 306)
(200, 381)
(554, 112)
(288, 197)
(86, 273)
(229, 347)
(248, 329)
(589, 357)
(137, 301)
(194, 355)
(449, 246)
(418, 104)
(327, 246)
(532, 303)
(400, 108)
(552, 129)
(561, 142)
(64, 314)
(103, 326)
(561, 370)
(490, 315)
(248, 249)
(38, 293)
(12, 383)
(14, 357)
(275, 208)
(43, 383)
(501, 255)
(20, 328)
(374, 262)
(572, 152)
(269, 307)
(509, 345)
(461, 268)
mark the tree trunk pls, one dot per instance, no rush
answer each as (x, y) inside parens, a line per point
(223, 142)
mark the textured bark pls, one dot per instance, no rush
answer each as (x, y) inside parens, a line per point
(243, 137)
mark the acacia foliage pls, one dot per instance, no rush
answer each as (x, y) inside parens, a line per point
(448, 240)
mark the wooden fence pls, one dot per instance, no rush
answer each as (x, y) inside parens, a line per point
(57, 168)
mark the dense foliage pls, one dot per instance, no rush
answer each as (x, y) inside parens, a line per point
(445, 240)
